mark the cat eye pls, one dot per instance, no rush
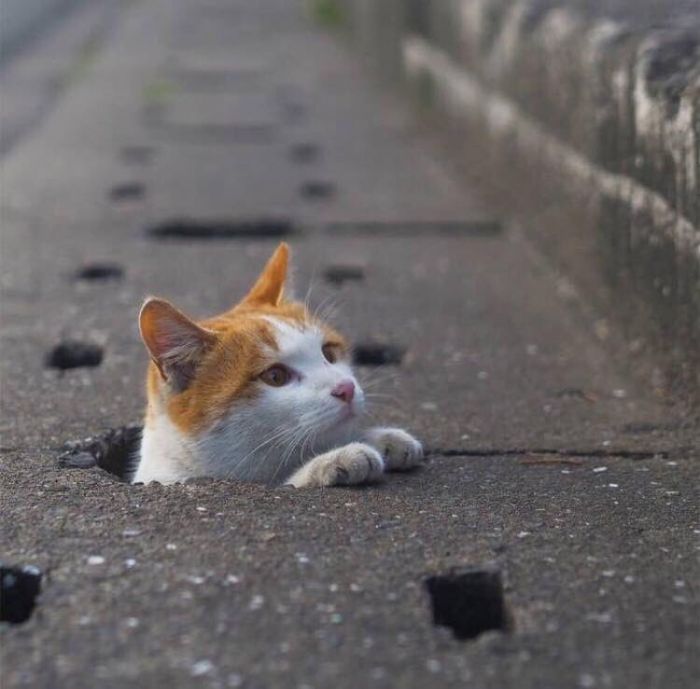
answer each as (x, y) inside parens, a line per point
(276, 376)
(330, 351)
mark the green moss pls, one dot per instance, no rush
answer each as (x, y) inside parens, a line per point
(83, 61)
(159, 92)
(325, 12)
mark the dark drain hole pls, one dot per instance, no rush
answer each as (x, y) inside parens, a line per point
(223, 229)
(74, 354)
(304, 152)
(100, 271)
(341, 273)
(19, 588)
(469, 602)
(115, 451)
(377, 354)
(129, 191)
(317, 190)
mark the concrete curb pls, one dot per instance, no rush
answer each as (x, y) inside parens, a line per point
(591, 120)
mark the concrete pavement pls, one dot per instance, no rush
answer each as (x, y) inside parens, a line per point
(574, 481)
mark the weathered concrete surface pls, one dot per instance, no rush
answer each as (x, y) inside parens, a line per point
(600, 100)
(219, 584)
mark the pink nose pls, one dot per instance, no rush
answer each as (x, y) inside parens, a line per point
(345, 390)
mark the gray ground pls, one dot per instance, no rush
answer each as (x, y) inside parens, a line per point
(219, 584)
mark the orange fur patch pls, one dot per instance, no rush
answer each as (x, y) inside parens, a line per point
(243, 347)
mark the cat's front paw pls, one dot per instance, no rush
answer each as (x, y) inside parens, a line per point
(400, 450)
(345, 466)
(350, 465)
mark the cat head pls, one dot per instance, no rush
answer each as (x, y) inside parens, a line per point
(267, 368)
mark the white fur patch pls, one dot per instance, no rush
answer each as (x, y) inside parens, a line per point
(267, 438)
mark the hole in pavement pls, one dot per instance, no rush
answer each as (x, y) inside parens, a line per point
(100, 271)
(576, 393)
(223, 229)
(343, 272)
(304, 152)
(316, 190)
(74, 354)
(469, 602)
(19, 588)
(377, 354)
(293, 111)
(129, 191)
(137, 155)
(115, 451)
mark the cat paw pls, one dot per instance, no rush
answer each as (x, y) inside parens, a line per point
(349, 465)
(352, 464)
(400, 450)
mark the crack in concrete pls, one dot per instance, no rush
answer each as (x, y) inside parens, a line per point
(597, 453)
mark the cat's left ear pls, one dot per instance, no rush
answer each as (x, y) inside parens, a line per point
(269, 287)
(174, 341)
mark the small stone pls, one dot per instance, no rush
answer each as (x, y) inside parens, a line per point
(433, 665)
(129, 562)
(256, 602)
(95, 560)
(598, 470)
(201, 667)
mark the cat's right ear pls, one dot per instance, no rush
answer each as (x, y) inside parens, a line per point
(174, 341)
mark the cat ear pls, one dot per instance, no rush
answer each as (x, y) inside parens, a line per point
(269, 287)
(176, 343)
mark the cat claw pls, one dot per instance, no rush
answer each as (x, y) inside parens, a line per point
(400, 450)
(349, 465)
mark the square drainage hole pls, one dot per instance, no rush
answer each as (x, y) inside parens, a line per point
(129, 191)
(340, 273)
(19, 589)
(377, 354)
(304, 152)
(95, 272)
(317, 190)
(469, 602)
(74, 354)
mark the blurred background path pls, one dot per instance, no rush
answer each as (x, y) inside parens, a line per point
(186, 140)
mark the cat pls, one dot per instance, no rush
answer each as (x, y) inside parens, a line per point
(263, 392)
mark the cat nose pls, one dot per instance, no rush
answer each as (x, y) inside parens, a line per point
(345, 391)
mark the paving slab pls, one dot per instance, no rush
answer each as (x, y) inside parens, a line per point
(574, 481)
